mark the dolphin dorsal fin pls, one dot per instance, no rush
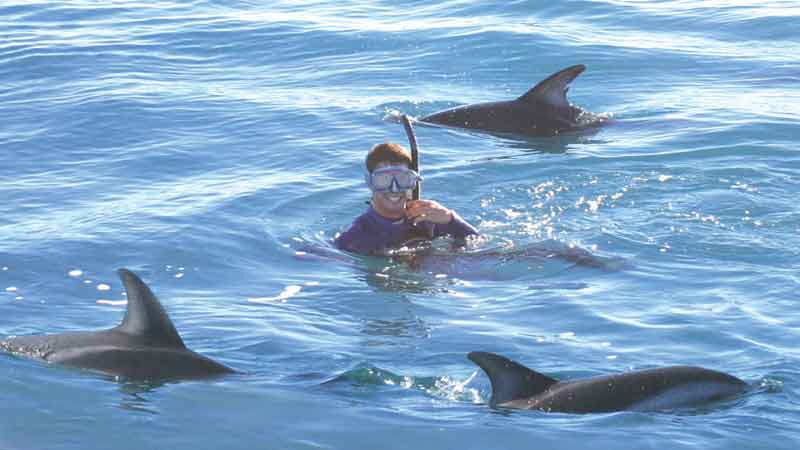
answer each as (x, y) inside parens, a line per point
(145, 316)
(510, 380)
(553, 89)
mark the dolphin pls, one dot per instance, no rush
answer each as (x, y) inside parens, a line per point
(542, 111)
(145, 345)
(518, 387)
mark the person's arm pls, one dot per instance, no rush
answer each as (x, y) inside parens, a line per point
(358, 239)
(457, 227)
(446, 220)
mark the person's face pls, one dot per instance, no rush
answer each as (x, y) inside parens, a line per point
(387, 203)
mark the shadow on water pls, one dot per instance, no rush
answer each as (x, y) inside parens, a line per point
(558, 144)
(133, 392)
(135, 398)
(412, 327)
(435, 268)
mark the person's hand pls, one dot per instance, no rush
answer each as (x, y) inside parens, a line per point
(432, 211)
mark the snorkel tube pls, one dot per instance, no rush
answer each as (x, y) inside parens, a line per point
(412, 142)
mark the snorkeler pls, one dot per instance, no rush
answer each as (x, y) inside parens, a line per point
(393, 219)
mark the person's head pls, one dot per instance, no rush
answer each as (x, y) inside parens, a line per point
(390, 178)
(387, 153)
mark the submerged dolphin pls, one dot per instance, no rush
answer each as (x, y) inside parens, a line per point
(144, 346)
(515, 386)
(542, 111)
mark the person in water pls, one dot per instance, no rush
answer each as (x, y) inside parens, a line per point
(393, 219)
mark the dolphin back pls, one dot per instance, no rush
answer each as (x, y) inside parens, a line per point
(542, 111)
(682, 386)
(145, 345)
(516, 386)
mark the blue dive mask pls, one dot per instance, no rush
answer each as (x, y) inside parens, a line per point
(392, 179)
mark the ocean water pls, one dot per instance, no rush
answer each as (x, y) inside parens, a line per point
(203, 144)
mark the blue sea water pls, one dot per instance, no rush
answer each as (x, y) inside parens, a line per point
(204, 144)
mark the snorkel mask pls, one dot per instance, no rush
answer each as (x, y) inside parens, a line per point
(392, 179)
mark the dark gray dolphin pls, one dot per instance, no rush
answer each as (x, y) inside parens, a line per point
(515, 386)
(542, 111)
(145, 345)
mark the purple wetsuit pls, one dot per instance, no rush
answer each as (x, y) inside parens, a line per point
(373, 234)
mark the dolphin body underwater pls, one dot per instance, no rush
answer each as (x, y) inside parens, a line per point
(144, 346)
(542, 111)
(518, 387)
